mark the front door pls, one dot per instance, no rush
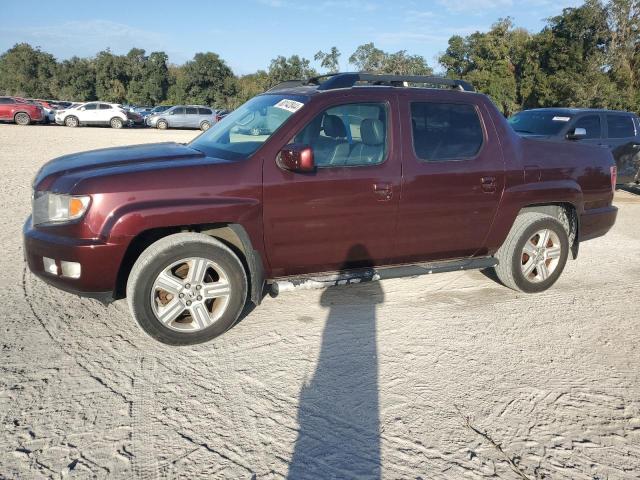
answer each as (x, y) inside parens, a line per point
(342, 215)
(5, 108)
(453, 177)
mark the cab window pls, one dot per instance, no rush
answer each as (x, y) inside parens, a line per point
(620, 126)
(445, 131)
(347, 135)
(591, 123)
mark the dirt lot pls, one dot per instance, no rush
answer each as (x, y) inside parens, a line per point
(354, 382)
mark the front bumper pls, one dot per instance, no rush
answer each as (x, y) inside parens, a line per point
(597, 222)
(100, 262)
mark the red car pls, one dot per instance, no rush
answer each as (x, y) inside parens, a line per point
(354, 178)
(20, 111)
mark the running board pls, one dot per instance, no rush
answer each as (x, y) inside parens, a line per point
(348, 277)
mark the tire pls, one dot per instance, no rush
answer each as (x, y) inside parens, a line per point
(162, 125)
(22, 118)
(222, 274)
(524, 249)
(71, 121)
(204, 126)
(116, 122)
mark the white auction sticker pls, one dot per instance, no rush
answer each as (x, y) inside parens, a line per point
(289, 105)
(561, 119)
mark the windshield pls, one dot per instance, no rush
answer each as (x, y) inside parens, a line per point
(539, 123)
(243, 131)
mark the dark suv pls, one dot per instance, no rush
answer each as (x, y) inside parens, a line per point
(350, 178)
(615, 130)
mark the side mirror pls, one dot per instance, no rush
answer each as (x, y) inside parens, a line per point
(82, 109)
(577, 134)
(296, 158)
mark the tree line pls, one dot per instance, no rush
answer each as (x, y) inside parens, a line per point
(588, 56)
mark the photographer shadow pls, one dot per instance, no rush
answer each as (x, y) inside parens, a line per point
(338, 413)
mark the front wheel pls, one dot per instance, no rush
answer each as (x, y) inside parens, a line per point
(71, 122)
(204, 126)
(534, 254)
(162, 124)
(186, 289)
(22, 118)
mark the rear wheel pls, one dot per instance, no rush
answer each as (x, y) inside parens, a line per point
(162, 124)
(186, 289)
(534, 254)
(71, 121)
(116, 122)
(205, 126)
(22, 118)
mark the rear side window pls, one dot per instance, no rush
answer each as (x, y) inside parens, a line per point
(204, 111)
(104, 106)
(192, 111)
(591, 123)
(348, 135)
(445, 131)
(5, 100)
(620, 126)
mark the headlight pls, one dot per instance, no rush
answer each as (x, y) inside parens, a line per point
(56, 208)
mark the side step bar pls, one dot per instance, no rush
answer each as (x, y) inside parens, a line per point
(311, 282)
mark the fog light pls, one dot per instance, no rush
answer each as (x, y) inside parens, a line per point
(50, 265)
(70, 269)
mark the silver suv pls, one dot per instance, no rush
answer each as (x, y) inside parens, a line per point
(183, 116)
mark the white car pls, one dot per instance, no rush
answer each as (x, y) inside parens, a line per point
(93, 113)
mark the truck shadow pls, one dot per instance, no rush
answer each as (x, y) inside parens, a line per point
(338, 413)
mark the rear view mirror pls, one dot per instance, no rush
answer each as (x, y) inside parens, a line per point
(577, 134)
(296, 158)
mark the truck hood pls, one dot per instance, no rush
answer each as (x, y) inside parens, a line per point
(118, 159)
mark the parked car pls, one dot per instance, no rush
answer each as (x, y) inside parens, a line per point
(142, 110)
(364, 182)
(615, 130)
(20, 111)
(94, 113)
(220, 114)
(183, 116)
(48, 108)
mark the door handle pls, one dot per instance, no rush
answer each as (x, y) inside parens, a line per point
(488, 184)
(383, 190)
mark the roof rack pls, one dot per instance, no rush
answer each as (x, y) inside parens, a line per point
(333, 81)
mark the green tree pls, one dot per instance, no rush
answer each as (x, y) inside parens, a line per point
(368, 58)
(75, 79)
(26, 71)
(293, 68)
(204, 80)
(330, 60)
(248, 86)
(112, 76)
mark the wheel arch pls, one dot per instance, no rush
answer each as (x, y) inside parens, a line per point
(233, 235)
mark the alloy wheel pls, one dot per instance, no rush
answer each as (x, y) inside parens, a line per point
(190, 294)
(540, 255)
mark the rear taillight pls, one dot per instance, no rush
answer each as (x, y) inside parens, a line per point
(614, 178)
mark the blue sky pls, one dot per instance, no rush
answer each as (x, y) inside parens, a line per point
(248, 34)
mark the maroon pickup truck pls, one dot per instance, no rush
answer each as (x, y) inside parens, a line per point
(339, 179)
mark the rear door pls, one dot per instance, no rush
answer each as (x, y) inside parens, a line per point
(342, 215)
(105, 113)
(453, 176)
(622, 138)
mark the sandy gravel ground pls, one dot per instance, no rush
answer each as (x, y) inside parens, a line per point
(381, 380)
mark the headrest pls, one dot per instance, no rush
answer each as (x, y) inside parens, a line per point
(372, 131)
(333, 126)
